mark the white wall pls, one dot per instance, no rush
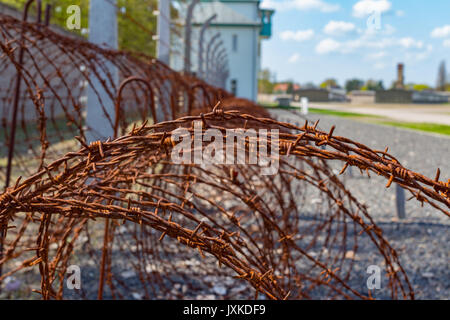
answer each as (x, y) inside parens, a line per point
(249, 10)
(242, 63)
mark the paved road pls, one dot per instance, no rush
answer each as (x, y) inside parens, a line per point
(439, 114)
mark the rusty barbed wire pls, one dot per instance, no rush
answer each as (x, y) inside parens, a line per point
(261, 229)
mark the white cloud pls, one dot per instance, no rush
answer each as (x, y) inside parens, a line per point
(364, 8)
(301, 5)
(328, 46)
(409, 43)
(299, 35)
(377, 55)
(379, 65)
(336, 28)
(294, 58)
(388, 29)
(400, 13)
(441, 32)
(422, 55)
(447, 43)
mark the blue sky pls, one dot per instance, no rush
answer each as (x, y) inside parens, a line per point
(317, 39)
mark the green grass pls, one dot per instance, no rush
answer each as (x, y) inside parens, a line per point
(427, 127)
(321, 111)
(274, 105)
(344, 114)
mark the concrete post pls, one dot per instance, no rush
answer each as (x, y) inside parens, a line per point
(304, 105)
(102, 32)
(187, 36)
(400, 201)
(200, 44)
(163, 47)
(163, 54)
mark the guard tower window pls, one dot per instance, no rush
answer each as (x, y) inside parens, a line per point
(234, 87)
(235, 42)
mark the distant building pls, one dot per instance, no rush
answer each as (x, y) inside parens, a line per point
(242, 25)
(362, 96)
(281, 88)
(320, 95)
(337, 94)
(313, 95)
(394, 96)
(408, 97)
(400, 95)
(446, 94)
(400, 83)
(429, 97)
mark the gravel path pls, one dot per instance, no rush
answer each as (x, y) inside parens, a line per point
(423, 238)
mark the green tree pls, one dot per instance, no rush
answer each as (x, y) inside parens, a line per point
(373, 85)
(309, 85)
(290, 88)
(421, 87)
(329, 83)
(265, 84)
(59, 11)
(354, 84)
(137, 24)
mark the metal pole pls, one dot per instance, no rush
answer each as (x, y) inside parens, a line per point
(222, 73)
(17, 98)
(221, 56)
(225, 77)
(187, 36)
(163, 44)
(214, 60)
(119, 100)
(48, 10)
(12, 138)
(400, 201)
(220, 65)
(200, 44)
(208, 54)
